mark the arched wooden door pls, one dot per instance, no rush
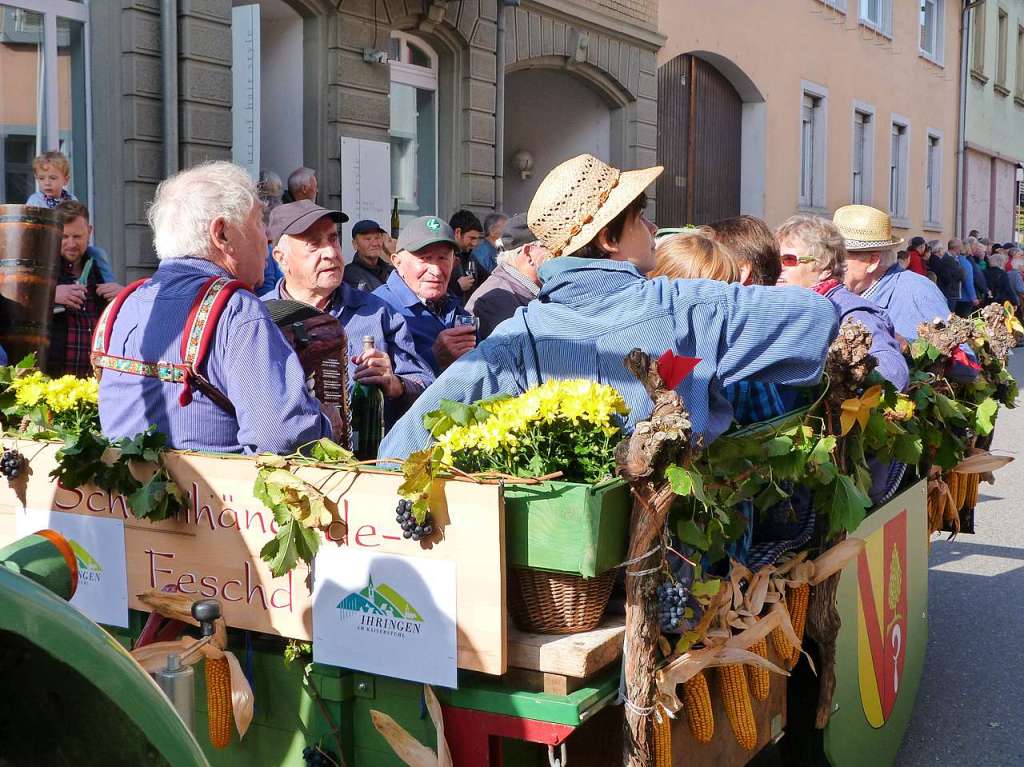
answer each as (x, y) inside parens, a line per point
(700, 118)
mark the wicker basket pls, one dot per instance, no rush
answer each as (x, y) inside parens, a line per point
(547, 602)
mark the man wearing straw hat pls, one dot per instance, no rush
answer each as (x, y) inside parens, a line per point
(595, 305)
(873, 272)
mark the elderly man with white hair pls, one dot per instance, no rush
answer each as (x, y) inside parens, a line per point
(192, 350)
(873, 272)
(308, 250)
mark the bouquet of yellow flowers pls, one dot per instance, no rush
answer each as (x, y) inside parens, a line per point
(570, 426)
(45, 407)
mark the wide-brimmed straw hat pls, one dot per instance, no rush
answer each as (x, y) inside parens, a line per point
(579, 198)
(865, 228)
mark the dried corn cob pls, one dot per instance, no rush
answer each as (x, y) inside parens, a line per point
(958, 488)
(759, 678)
(218, 701)
(797, 599)
(782, 645)
(951, 516)
(973, 480)
(732, 684)
(662, 739)
(699, 714)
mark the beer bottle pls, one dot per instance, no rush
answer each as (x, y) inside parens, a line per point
(395, 223)
(367, 415)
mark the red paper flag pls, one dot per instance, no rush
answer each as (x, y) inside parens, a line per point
(673, 369)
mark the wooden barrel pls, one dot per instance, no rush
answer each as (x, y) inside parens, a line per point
(29, 264)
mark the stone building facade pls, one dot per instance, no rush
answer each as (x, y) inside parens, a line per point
(602, 52)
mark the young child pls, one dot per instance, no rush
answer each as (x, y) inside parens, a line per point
(52, 172)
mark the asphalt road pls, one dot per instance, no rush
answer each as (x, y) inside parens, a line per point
(970, 706)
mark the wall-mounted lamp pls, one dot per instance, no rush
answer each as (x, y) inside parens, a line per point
(522, 161)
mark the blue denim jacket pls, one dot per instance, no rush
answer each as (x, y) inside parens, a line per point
(591, 313)
(424, 324)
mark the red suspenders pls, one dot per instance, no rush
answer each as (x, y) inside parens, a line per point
(195, 342)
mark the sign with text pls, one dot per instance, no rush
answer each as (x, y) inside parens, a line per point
(102, 592)
(385, 614)
(212, 548)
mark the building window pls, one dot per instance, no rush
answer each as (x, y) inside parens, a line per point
(42, 50)
(932, 29)
(813, 134)
(1019, 79)
(933, 180)
(1004, 34)
(863, 156)
(877, 15)
(898, 166)
(414, 144)
(978, 41)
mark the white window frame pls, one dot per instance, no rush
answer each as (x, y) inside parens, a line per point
(868, 160)
(818, 159)
(50, 134)
(425, 78)
(1002, 50)
(936, 55)
(933, 170)
(883, 25)
(901, 166)
(835, 5)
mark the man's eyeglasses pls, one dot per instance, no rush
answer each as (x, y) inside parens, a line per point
(791, 259)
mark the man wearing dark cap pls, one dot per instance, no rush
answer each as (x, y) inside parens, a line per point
(418, 290)
(369, 268)
(307, 247)
(514, 281)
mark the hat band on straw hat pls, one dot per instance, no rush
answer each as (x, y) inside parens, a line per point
(852, 245)
(579, 225)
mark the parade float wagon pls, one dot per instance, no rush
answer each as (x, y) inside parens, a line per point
(536, 588)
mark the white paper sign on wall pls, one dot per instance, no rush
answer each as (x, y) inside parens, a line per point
(385, 614)
(365, 186)
(98, 543)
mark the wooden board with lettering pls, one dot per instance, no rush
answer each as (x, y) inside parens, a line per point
(212, 548)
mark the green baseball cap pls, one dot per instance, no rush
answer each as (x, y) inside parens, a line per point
(424, 231)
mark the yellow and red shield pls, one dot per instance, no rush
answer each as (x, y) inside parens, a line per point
(882, 624)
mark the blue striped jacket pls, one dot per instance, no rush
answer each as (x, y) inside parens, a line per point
(591, 313)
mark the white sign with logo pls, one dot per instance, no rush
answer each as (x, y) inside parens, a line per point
(98, 543)
(385, 614)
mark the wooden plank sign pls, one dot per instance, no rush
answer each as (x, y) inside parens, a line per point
(212, 548)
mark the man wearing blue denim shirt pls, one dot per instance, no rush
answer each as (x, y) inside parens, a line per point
(308, 250)
(595, 305)
(418, 290)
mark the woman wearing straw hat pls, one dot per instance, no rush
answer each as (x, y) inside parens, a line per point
(595, 305)
(813, 257)
(872, 271)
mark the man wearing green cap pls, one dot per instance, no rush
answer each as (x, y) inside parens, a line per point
(418, 290)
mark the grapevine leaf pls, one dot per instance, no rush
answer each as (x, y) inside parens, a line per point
(685, 482)
(847, 507)
(908, 449)
(329, 451)
(282, 551)
(948, 409)
(984, 418)
(822, 452)
(778, 446)
(80, 460)
(289, 496)
(707, 589)
(152, 500)
(144, 446)
(690, 533)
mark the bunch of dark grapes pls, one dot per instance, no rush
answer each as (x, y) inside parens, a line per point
(11, 464)
(671, 605)
(410, 527)
(314, 756)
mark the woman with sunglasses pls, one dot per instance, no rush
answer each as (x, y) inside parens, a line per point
(814, 256)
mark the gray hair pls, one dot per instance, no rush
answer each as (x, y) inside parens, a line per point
(886, 258)
(270, 186)
(187, 203)
(493, 219)
(508, 257)
(998, 260)
(300, 179)
(823, 240)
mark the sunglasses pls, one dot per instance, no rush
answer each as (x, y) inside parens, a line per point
(791, 259)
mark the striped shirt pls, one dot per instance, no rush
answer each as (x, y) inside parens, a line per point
(591, 313)
(249, 361)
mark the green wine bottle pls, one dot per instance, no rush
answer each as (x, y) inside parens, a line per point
(367, 415)
(395, 222)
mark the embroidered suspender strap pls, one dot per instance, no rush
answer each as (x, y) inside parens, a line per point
(101, 335)
(198, 337)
